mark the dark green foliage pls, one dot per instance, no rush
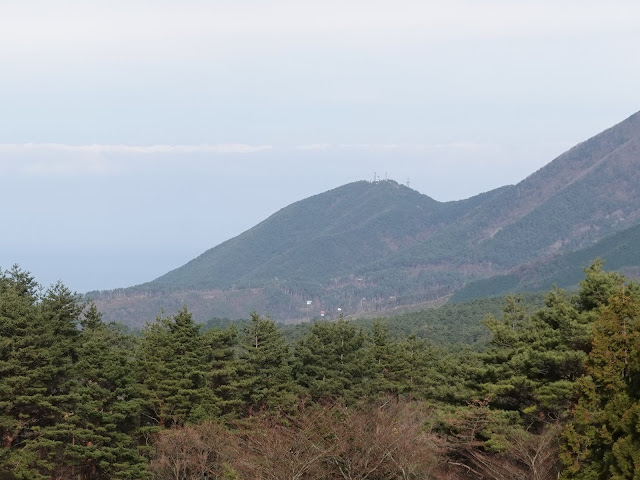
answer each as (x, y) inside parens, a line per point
(36, 363)
(67, 396)
(106, 402)
(602, 441)
(408, 367)
(487, 287)
(454, 325)
(265, 372)
(223, 368)
(536, 357)
(82, 399)
(390, 368)
(331, 362)
(456, 377)
(172, 373)
(24, 375)
(220, 323)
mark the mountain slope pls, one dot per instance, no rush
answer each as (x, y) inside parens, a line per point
(620, 251)
(368, 246)
(315, 238)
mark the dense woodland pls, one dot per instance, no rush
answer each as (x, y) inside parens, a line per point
(553, 391)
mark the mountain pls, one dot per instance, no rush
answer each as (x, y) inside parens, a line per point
(375, 246)
(620, 251)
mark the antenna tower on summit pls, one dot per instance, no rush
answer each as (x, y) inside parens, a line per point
(408, 183)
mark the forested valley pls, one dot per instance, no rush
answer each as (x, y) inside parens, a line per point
(554, 392)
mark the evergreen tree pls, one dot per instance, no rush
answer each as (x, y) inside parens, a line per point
(172, 373)
(535, 359)
(265, 379)
(602, 441)
(416, 367)
(106, 404)
(388, 362)
(453, 376)
(23, 371)
(39, 350)
(60, 416)
(331, 362)
(223, 367)
(507, 360)
(403, 367)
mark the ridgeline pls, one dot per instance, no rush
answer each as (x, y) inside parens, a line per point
(370, 247)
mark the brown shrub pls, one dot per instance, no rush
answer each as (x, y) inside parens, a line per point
(192, 452)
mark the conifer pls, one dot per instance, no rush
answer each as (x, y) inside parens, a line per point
(331, 362)
(265, 380)
(602, 441)
(172, 373)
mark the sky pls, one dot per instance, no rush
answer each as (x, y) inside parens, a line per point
(135, 135)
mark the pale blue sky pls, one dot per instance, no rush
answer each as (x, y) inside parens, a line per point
(134, 135)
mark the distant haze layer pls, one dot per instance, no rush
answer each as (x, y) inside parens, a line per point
(107, 216)
(135, 135)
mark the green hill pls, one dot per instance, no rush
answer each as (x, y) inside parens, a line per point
(315, 239)
(374, 246)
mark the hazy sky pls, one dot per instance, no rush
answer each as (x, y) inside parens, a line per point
(134, 135)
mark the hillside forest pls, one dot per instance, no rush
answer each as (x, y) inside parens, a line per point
(376, 248)
(553, 391)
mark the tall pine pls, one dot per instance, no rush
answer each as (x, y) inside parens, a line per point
(602, 441)
(24, 372)
(38, 355)
(173, 373)
(331, 361)
(106, 404)
(265, 380)
(223, 368)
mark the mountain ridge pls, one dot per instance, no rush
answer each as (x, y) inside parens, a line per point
(619, 251)
(366, 246)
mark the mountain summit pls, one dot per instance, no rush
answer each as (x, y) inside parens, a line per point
(370, 246)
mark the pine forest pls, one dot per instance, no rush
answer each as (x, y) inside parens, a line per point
(553, 392)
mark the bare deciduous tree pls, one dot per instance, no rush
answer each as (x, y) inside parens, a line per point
(384, 441)
(525, 455)
(292, 448)
(193, 452)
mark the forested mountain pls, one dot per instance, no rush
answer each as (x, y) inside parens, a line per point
(620, 251)
(375, 246)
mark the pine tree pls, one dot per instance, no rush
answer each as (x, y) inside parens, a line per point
(402, 367)
(388, 362)
(331, 362)
(23, 371)
(265, 380)
(66, 402)
(507, 382)
(38, 353)
(536, 358)
(223, 368)
(106, 404)
(172, 373)
(602, 441)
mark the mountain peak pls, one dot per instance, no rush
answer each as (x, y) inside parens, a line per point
(367, 246)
